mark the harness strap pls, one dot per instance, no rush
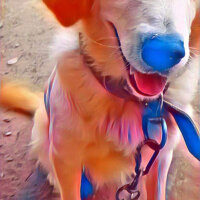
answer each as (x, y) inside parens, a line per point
(47, 92)
(86, 189)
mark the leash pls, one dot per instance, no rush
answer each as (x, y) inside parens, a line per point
(155, 113)
(152, 115)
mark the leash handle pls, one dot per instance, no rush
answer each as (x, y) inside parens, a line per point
(187, 127)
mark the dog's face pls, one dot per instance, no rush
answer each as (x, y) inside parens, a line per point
(162, 21)
(154, 37)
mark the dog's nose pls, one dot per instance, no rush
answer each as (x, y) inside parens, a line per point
(162, 52)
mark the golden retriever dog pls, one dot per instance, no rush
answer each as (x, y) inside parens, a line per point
(113, 58)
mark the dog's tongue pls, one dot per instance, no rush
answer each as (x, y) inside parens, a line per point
(150, 84)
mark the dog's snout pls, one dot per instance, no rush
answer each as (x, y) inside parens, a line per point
(162, 52)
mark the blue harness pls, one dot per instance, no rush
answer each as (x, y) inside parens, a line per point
(155, 113)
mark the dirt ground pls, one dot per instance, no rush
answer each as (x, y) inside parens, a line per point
(26, 32)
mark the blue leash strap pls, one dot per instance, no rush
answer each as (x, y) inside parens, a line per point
(187, 128)
(154, 114)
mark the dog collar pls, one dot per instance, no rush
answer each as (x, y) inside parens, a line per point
(154, 109)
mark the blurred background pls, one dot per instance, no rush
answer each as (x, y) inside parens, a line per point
(26, 33)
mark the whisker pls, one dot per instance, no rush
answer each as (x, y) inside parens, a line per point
(194, 50)
(114, 55)
(96, 42)
(194, 53)
(106, 38)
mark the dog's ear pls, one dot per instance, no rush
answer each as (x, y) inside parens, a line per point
(69, 11)
(195, 32)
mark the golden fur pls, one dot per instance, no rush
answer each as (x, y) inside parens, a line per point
(79, 136)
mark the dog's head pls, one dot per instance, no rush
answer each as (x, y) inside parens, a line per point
(153, 37)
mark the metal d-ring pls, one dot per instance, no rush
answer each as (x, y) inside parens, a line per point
(156, 120)
(162, 122)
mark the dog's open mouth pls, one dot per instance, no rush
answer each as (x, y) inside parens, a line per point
(144, 84)
(147, 84)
